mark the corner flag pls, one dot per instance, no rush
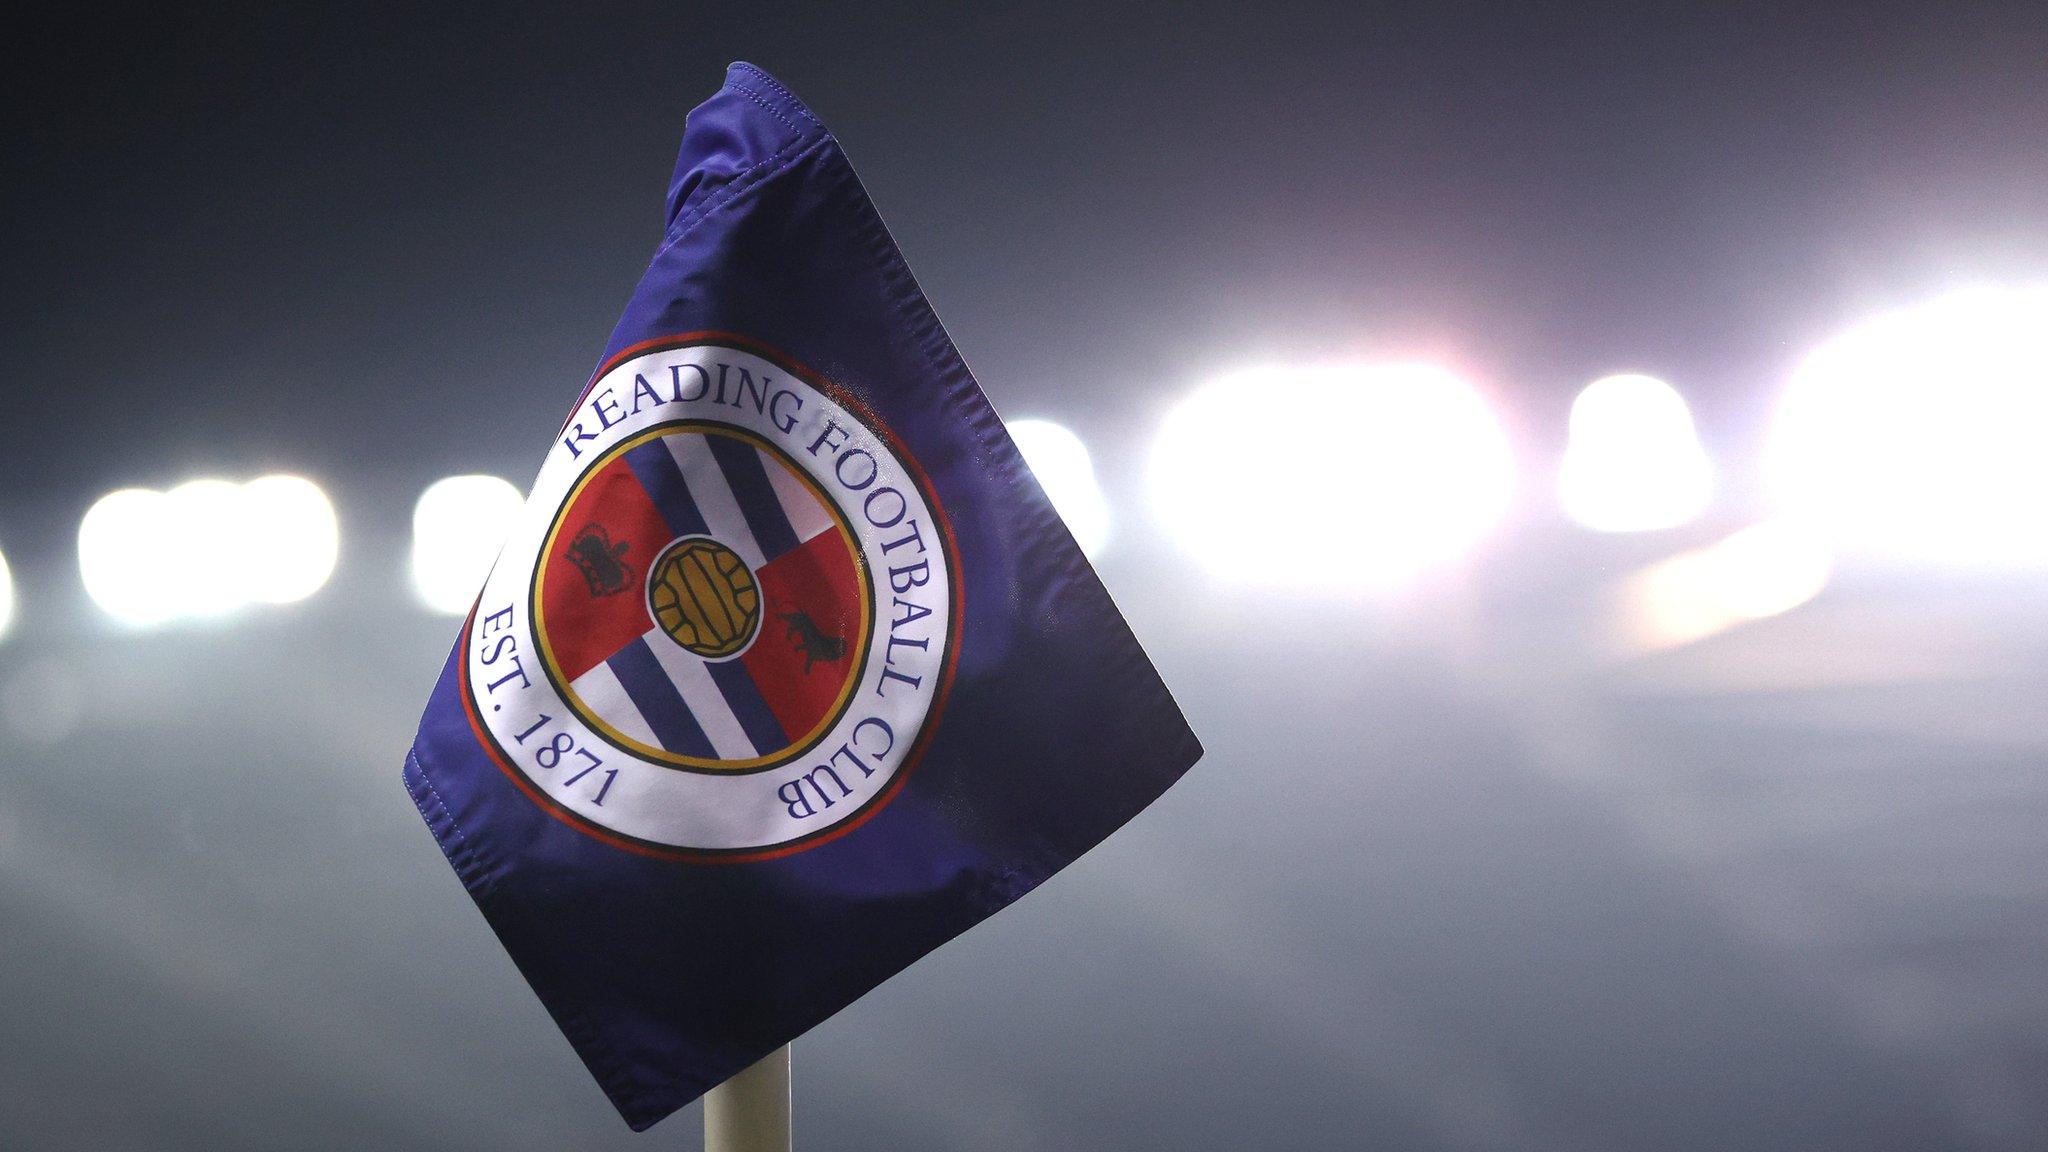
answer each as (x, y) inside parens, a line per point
(788, 673)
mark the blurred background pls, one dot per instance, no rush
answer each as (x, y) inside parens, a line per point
(1581, 471)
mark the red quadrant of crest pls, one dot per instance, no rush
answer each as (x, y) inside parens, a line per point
(585, 625)
(814, 582)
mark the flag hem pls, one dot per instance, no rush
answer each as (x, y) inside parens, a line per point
(465, 858)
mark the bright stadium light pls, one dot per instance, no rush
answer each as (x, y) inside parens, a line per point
(206, 548)
(1762, 571)
(1633, 462)
(301, 539)
(1331, 475)
(1064, 469)
(1917, 436)
(204, 520)
(122, 543)
(458, 527)
(6, 596)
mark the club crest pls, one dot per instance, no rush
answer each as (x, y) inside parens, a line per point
(795, 625)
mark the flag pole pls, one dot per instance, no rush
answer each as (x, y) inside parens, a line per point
(750, 1112)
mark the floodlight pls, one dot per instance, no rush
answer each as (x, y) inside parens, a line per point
(1917, 435)
(1356, 474)
(206, 548)
(458, 526)
(1633, 462)
(6, 596)
(123, 545)
(300, 539)
(201, 538)
(1064, 469)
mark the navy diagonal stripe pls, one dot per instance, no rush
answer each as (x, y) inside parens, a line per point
(748, 480)
(736, 684)
(656, 470)
(655, 695)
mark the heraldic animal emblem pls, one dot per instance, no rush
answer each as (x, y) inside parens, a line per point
(812, 641)
(594, 555)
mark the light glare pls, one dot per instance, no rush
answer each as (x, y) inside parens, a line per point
(6, 596)
(1633, 462)
(458, 527)
(1331, 474)
(301, 539)
(204, 528)
(206, 548)
(1064, 469)
(1762, 571)
(119, 543)
(1917, 435)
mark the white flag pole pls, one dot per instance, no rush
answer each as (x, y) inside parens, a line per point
(750, 1112)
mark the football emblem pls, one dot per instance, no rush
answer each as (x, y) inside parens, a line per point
(704, 597)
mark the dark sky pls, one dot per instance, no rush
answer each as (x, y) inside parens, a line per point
(331, 236)
(1443, 882)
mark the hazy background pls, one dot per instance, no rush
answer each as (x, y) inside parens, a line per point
(1448, 878)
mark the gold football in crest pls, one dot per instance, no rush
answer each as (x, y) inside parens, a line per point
(704, 597)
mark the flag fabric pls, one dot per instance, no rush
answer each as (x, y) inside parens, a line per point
(788, 672)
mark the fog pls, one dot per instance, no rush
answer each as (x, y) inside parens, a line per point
(1454, 872)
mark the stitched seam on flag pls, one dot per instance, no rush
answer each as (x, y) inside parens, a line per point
(469, 867)
(1080, 587)
(915, 313)
(775, 87)
(573, 1017)
(463, 847)
(783, 158)
(1069, 569)
(746, 181)
(771, 109)
(589, 1041)
(913, 309)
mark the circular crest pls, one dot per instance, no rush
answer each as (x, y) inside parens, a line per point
(726, 619)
